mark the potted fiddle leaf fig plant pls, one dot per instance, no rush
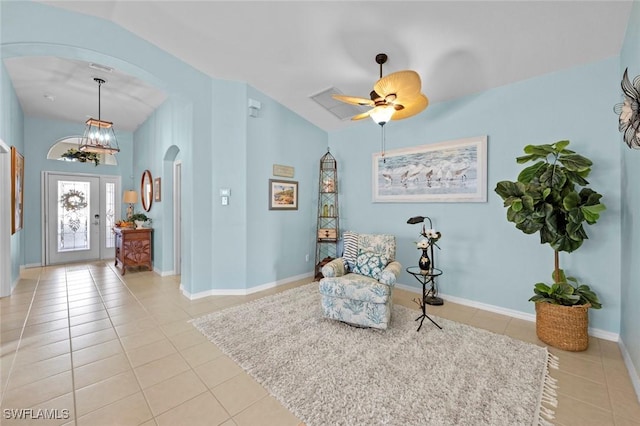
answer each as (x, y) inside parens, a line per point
(551, 198)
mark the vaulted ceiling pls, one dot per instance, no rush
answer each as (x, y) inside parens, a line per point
(291, 50)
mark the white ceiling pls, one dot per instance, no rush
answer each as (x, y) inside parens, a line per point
(291, 50)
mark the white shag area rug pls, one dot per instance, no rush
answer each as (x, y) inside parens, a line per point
(329, 373)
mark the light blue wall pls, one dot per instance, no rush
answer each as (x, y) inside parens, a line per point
(630, 208)
(41, 134)
(228, 153)
(12, 133)
(244, 236)
(277, 241)
(159, 135)
(484, 258)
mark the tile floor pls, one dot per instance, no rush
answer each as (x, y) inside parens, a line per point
(90, 347)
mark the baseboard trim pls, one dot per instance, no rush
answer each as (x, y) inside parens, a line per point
(163, 273)
(631, 369)
(31, 265)
(595, 332)
(243, 291)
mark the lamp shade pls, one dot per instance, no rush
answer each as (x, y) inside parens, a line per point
(130, 197)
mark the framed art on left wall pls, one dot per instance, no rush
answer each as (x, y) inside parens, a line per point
(17, 190)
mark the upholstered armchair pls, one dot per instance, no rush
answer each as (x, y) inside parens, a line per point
(357, 288)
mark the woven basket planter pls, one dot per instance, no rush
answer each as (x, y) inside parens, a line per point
(563, 327)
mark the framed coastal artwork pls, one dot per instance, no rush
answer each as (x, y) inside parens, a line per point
(17, 190)
(283, 194)
(451, 171)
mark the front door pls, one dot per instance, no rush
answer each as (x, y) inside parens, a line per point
(80, 212)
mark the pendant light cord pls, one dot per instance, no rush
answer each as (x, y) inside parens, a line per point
(384, 141)
(99, 90)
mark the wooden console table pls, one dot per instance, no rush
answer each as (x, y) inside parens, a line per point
(133, 247)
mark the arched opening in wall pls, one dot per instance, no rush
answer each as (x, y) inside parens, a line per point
(172, 169)
(66, 149)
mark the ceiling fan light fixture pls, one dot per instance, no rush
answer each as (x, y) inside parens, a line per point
(382, 114)
(99, 136)
(395, 96)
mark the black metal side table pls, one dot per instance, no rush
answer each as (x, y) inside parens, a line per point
(426, 278)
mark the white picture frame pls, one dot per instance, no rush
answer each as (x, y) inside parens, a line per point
(452, 171)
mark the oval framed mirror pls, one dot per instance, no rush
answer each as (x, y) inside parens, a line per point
(146, 190)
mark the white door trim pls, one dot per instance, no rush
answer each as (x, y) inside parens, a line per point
(45, 175)
(177, 217)
(5, 220)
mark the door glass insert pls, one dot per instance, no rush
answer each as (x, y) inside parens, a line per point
(110, 219)
(73, 216)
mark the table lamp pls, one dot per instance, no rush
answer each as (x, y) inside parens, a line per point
(130, 197)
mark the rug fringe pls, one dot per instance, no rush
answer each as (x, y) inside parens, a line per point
(553, 361)
(548, 393)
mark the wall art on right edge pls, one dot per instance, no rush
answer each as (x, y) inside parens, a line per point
(451, 171)
(17, 190)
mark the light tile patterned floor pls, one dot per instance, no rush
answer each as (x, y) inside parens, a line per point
(95, 348)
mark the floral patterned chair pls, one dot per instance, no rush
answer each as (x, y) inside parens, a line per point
(357, 288)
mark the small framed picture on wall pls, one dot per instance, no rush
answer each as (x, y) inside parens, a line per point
(283, 194)
(157, 189)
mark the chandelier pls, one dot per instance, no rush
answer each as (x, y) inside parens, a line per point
(99, 136)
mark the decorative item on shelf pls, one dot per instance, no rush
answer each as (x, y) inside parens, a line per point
(140, 219)
(124, 224)
(99, 136)
(81, 156)
(327, 185)
(130, 197)
(394, 97)
(327, 234)
(629, 111)
(551, 186)
(424, 263)
(429, 238)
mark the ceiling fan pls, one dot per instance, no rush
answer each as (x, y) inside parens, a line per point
(394, 97)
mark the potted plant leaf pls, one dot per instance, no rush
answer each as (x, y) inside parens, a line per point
(551, 198)
(82, 156)
(140, 219)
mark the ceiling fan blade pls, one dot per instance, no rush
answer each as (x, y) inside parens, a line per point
(411, 107)
(362, 116)
(401, 83)
(353, 100)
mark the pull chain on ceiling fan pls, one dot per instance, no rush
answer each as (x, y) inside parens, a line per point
(394, 97)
